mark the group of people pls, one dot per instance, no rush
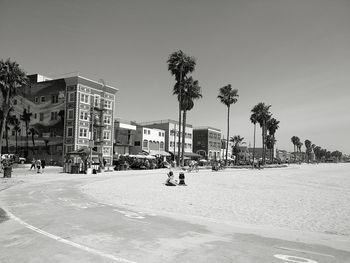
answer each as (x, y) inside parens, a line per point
(38, 165)
(172, 182)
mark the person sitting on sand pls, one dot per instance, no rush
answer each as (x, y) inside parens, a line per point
(182, 179)
(170, 181)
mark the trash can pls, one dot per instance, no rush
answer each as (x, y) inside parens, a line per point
(7, 172)
(75, 169)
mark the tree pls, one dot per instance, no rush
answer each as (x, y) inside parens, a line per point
(191, 91)
(262, 115)
(270, 142)
(12, 78)
(272, 127)
(308, 146)
(295, 141)
(299, 145)
(180, 65)
(254, 120)
(25, 117)
(10, 121)
(237, 140)
(228, 96)
(17, 129)
(33, 132)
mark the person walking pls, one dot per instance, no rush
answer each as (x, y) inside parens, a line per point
(38, 166)
(33, 164)
(43, 164)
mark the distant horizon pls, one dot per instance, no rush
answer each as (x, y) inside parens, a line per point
(293, 55)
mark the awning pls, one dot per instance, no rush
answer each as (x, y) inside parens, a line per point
(189, 154)
(161, 153)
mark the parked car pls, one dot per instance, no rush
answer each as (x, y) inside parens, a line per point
(14, 157)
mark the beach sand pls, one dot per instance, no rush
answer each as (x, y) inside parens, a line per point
(304, 197)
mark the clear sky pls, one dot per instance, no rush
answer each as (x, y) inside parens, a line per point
(292, 54)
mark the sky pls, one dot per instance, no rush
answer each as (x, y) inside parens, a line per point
(293, 55)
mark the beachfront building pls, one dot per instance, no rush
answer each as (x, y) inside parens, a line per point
(207, 142)
(223, 150)
(124, 136)
(171, 129)
(62, 115)
(149, 141)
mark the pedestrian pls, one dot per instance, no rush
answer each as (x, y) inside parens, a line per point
(33, 164)
(38, 165)
(43, 164)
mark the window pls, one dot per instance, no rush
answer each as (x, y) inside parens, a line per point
(54, 115)
(35, 115)
(106, 151)
(42, 98)
(145, 144)
(149, 131)
(71, 97)
(163, 134)
(97, 101)
(84, 98)
(70, 114)
(190, 145)
(161, 145)
(108, 104)
(70, 132)
(107, 119)
(84, 115)
(36, 99)
(137, 143)
(144, 131)
(41, 118)
(106, 135)
(159, 134)
(54, 98)
(83, 132)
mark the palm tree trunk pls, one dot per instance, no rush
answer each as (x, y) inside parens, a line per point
(295, 156)
(228, 131)
(16, 143)
(180, 104)
(254, 144)
(183, 138)
(5, 112)
(7, 139)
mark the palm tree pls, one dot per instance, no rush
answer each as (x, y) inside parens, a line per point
(237, 140)
(228, 96)
(270, 142)
(191, 91)
(9, 122)
(253, 119)
(33, 132)
(180, 65)
(25, 117)
(299, 145)
(262, 115)
(12, 78)
(295, 141)
(308, 146)
(272, 127)
(17, 129)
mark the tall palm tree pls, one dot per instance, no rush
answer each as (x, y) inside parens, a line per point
(191, 91)
(308, 146)
(25, 117)
(180, 65)
(262, 114)
(12, 78)
(272, 127)
(17, 129)
(237, 140)
(228, 96)
(295, 141)
(254, 120)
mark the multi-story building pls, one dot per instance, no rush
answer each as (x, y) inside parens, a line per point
(207, 142)
(63, 115)
(124, 134)
(171, 129)
(150, 141)
(223, 149)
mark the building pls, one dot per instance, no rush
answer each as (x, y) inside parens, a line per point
(223, 149)
(150, 141)
(124, 136)
(258, 152)
(171, 129)
(207, 142)
(58, 116)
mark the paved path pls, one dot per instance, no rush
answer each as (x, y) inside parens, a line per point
(52, 221)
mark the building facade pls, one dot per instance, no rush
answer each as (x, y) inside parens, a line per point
(124, 134)
(171, 129)
(150, 141)
(58, 116)
(207, 142)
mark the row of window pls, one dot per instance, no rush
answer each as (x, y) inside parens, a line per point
(215, 144)
(42, 99)
(84, 133)
(85, 98)
(187, 145)
(215, 135)
(147, 131)
(85, 116)
(54, 116)
(187, 135)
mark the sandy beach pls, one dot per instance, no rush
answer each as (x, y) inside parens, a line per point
(304, 197)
